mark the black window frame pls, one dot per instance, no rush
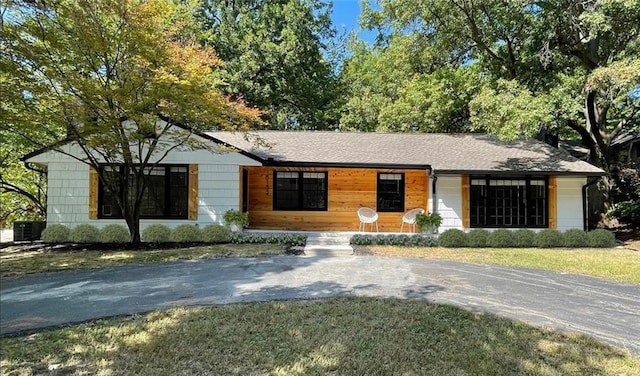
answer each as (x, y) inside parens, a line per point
(168, 199)
(299, 204)
(400, 208)
(481, 208)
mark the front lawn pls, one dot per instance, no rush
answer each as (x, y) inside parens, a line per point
(622, 265)
(18, 261)
(342, 336)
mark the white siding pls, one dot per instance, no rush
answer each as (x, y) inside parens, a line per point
(449, 200)
(570, 202)
(218, 183)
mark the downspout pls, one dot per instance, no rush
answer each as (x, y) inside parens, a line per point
(585, 203)
(434, 179)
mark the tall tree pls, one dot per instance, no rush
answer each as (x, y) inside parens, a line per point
(570, 65)
(273, 54)
(121, 77)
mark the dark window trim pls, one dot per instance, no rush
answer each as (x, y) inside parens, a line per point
(167, 193)
(403, 194)
(300, 206)
(527, 179)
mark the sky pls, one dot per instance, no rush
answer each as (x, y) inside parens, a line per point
(346, 16)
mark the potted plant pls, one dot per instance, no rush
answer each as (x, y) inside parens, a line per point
(236, 219)
(429, 222)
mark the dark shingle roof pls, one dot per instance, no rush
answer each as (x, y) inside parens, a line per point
(445, 153)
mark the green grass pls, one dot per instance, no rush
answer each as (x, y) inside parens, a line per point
(40, 260)
(342, 336)
(621, 265)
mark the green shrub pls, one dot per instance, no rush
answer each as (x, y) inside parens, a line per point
(627, 212)
(453, 238)
(398, 240)
(56, 234)
(288, 239)
(156, 234)
(524, 238)
(549, 239)
(186, 234)
(478, 238)
(114, 233)
(216, 234)
(502, 238)
(85, 234)
(575, 238)
(601, 239)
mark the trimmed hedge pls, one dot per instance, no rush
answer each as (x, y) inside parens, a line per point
(478, 238)
(114, 233)
(575, 238)
(453, 238)
(270, 238)
(502, 238)
(601, 239)
(549, 239)
(156, 234)
(216, 234)
(186, 234)
(399, 240)
(85, 234)
(56, 233)
(524, 238)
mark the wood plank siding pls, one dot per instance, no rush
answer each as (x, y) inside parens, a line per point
(348, 190)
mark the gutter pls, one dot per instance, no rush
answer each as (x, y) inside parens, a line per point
(585, 202)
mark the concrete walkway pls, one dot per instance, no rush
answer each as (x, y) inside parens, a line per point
(605, 310)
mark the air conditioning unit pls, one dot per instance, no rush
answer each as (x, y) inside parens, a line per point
(28, 231)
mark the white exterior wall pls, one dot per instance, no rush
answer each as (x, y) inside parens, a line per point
(570, 215)
(218, 184)
(449, 200)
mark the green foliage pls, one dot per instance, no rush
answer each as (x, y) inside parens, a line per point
(549, 238)
(575, 238)
(453, 238)
(428, 221)
(627, 212)
(56, 234)
(398, 240)
(216, 234)
(501, 238)
(601, 238)
(524, 238)
(478, 238)
(85, 233)
(276, 238)
(273, 54)
(114, 233)
(237, 217)
(156, 234)
(186, 234)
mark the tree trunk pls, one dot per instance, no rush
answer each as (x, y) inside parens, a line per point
(134, 228)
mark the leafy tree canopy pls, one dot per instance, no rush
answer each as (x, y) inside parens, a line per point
(273, 54)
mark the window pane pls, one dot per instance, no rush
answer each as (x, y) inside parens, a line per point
(153, 198)
(314, 195)
(508, 203)
(109, 207)
(178, 192)
(390, 193)
(287, 187)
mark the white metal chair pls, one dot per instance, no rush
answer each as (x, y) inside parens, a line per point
(410, 218)
(367, 215)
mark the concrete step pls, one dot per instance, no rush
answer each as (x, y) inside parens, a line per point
(331, 250)
(328, 240)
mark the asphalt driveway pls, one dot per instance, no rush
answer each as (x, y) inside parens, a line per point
(608, 311)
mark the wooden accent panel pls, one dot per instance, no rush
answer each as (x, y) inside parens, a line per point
(466, 210)
(193, 192)
(348, 190)
(93, 193)
(553, 202)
